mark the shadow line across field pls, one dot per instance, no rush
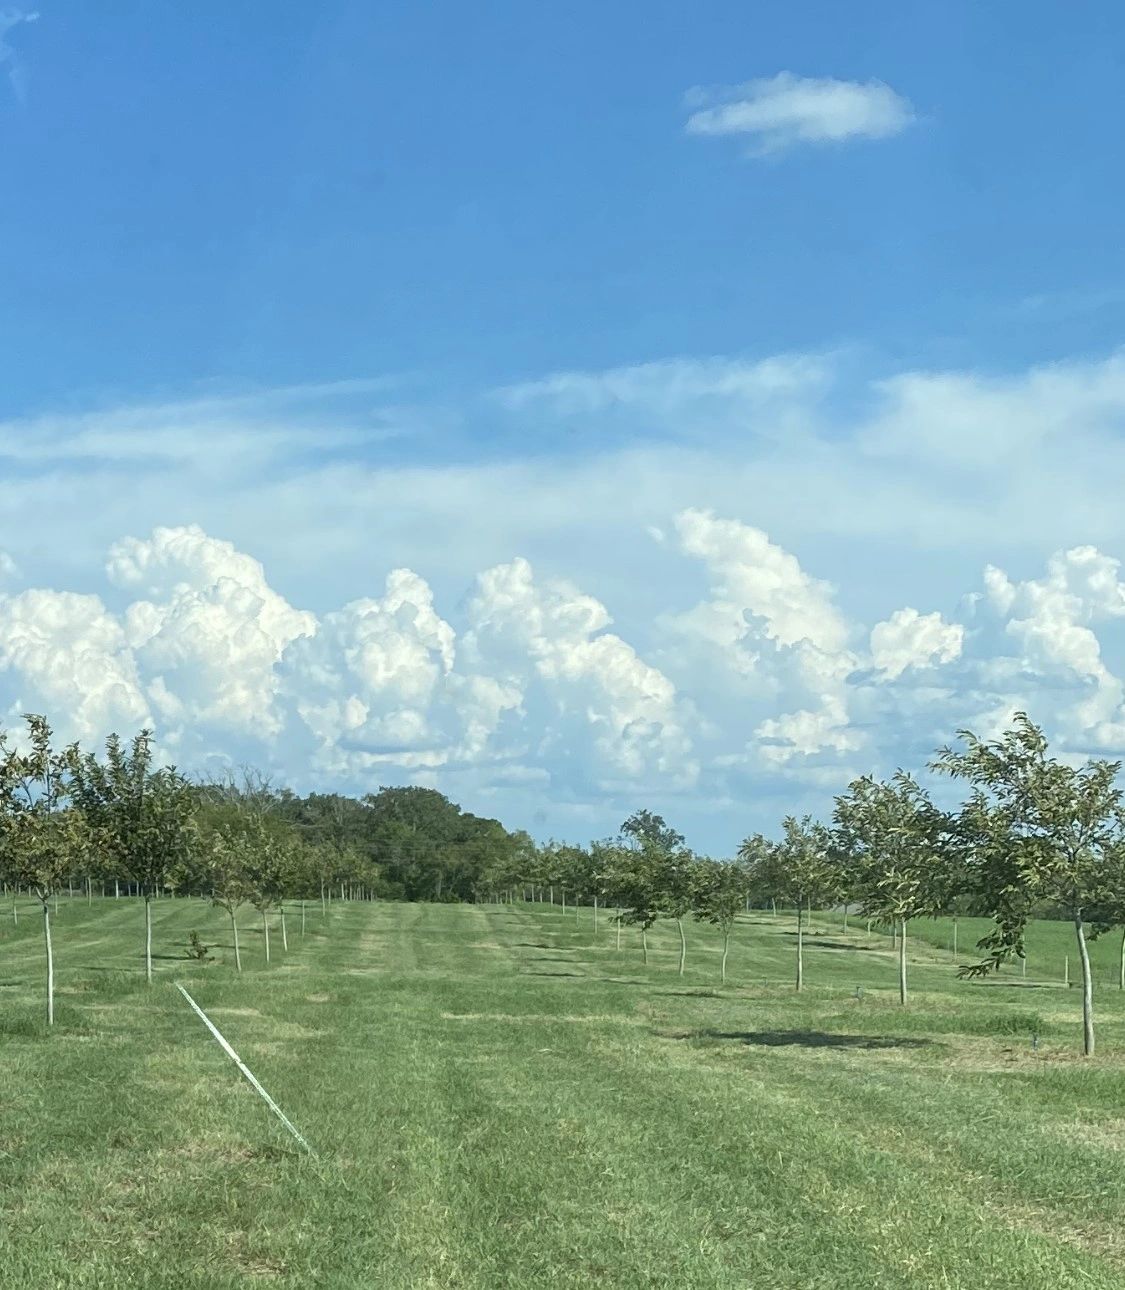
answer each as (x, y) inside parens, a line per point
(808, 1039)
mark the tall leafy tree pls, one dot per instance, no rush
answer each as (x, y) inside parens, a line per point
(1039, 830)
(893, 842)
(42, 836)
(140, 816)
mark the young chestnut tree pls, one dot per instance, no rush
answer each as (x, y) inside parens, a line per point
(891, 838)
(657, 876)
(719, 894)
(42, 836)
(798, 868)
(1038, 830)
(140, 816)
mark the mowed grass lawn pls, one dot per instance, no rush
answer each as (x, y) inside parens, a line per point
(498, 1100)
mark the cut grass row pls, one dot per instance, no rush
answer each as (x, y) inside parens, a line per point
(498, 1100)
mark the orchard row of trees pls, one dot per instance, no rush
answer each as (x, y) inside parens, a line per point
(1034, 836)
(121, 820)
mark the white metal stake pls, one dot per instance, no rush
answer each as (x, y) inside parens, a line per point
(244, 1069)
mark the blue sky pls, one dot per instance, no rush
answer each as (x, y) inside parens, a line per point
(746, 328)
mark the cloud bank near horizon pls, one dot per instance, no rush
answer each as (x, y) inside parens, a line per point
(739, 585)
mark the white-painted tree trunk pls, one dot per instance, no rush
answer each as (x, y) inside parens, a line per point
(619, 929)
(1087, 990)
(284, 936)
(237, 952)
(683, 944)
(800, 949)
(266, 931)
(726, 947)
(148, 940)
(644, 946)
(902, 962)
(50, 965)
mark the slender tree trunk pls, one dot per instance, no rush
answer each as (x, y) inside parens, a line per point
(1121, 972)
(564, 900)
(117, 889)
(619, 929)
(148, 939)
(266, 930)
(302, 918)
(89, 890)
(683, 944)
(726, 947)
(800, 949)
(595, 915)
(15, 913)
(577, 908)
(773, 907)
(955, 938)
(1087, 990)
(902, 963)
(644, 946)
(50, 965)
(237, 952)
(284, 936)
(322, 907)
(845, 920)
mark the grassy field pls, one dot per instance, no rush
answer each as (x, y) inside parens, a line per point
(498, 1100)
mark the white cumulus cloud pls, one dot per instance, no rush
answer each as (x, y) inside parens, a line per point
(909, 639)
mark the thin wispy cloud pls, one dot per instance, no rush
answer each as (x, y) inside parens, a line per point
(781, 112)
(9, 59)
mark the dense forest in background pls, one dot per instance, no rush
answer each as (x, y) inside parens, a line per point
(405, 843)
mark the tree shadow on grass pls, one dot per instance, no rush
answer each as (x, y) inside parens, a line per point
(993, 984)
(576, 974)
(820, 943)
(810, 1039)
(693, 994)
